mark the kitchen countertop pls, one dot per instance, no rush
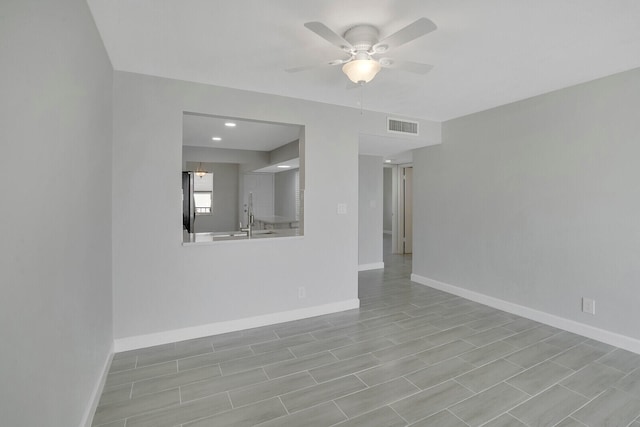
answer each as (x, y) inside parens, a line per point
(237, 236)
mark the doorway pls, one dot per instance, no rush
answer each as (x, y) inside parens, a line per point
(407, 205)
(402, 209)
(405, 209)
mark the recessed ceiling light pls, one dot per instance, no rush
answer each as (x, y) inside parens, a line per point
(230, 124)
(387, 161)
(216, 138)
(284, 166)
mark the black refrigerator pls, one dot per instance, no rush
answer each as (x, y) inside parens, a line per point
(188, 202)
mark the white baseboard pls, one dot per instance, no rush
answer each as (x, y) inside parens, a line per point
(588, 331)
(174, 335)
(87, 418)
(372, 266)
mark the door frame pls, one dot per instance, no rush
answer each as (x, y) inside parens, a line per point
(398, 237)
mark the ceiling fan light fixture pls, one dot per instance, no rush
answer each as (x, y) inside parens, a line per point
(361, 70)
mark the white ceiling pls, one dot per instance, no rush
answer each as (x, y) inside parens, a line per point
(198, 131)
(485, 53)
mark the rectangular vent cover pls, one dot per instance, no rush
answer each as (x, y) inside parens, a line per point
(402, 126)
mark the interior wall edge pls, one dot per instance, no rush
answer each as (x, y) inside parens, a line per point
(94, 399)
(607, 337)
(371, 266)
(175, 335)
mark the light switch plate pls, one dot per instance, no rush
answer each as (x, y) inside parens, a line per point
(342, 208)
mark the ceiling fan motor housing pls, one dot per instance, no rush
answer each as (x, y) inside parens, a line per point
(362, 37)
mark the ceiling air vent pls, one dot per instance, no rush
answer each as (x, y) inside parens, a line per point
(402, 126)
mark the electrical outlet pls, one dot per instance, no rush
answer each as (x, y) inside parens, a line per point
(342, 209)
(589, 305)
(302, 292)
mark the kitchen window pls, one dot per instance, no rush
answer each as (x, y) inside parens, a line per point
(203, 194)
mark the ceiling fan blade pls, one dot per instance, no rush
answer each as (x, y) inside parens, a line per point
(303, 68)
(411, 32)
(410, 66)
(311, 67)
(329, 35)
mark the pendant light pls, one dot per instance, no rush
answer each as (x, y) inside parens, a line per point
(200, 172)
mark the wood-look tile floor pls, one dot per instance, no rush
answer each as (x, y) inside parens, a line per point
(410, 356)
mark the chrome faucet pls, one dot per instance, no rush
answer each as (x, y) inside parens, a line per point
(250, 218)
(249, 228)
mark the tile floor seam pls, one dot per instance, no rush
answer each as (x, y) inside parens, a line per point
(396, 412)
(503, 356)
(146, 395)
(366, 387)
(145, 412)
(611, 367)
(457, 417)
(486, 388)
(279, 397)
(565, 366)
(578, 421)
(228, 398)
(141, 379)
(175, 359)
(414, 384)
(530, 367)
(473, 393)
(588, 397)
(265, 373)
(531, 396)
(587, 401)
(522, 421)
(417, 391)
(632, 372)
(341, 411)
(373, 410)
(538, 364)
(282, 403)
(594, 346)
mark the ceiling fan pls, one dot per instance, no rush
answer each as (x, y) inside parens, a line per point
(362, 45)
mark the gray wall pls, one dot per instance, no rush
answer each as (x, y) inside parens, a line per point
(55, 221)
(225, 198)
(537, 203)
(369, 210)
(286, 152)
(285, 193)
(191, 286)
(387, 200)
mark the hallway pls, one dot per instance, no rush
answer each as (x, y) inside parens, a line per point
(411, 355)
